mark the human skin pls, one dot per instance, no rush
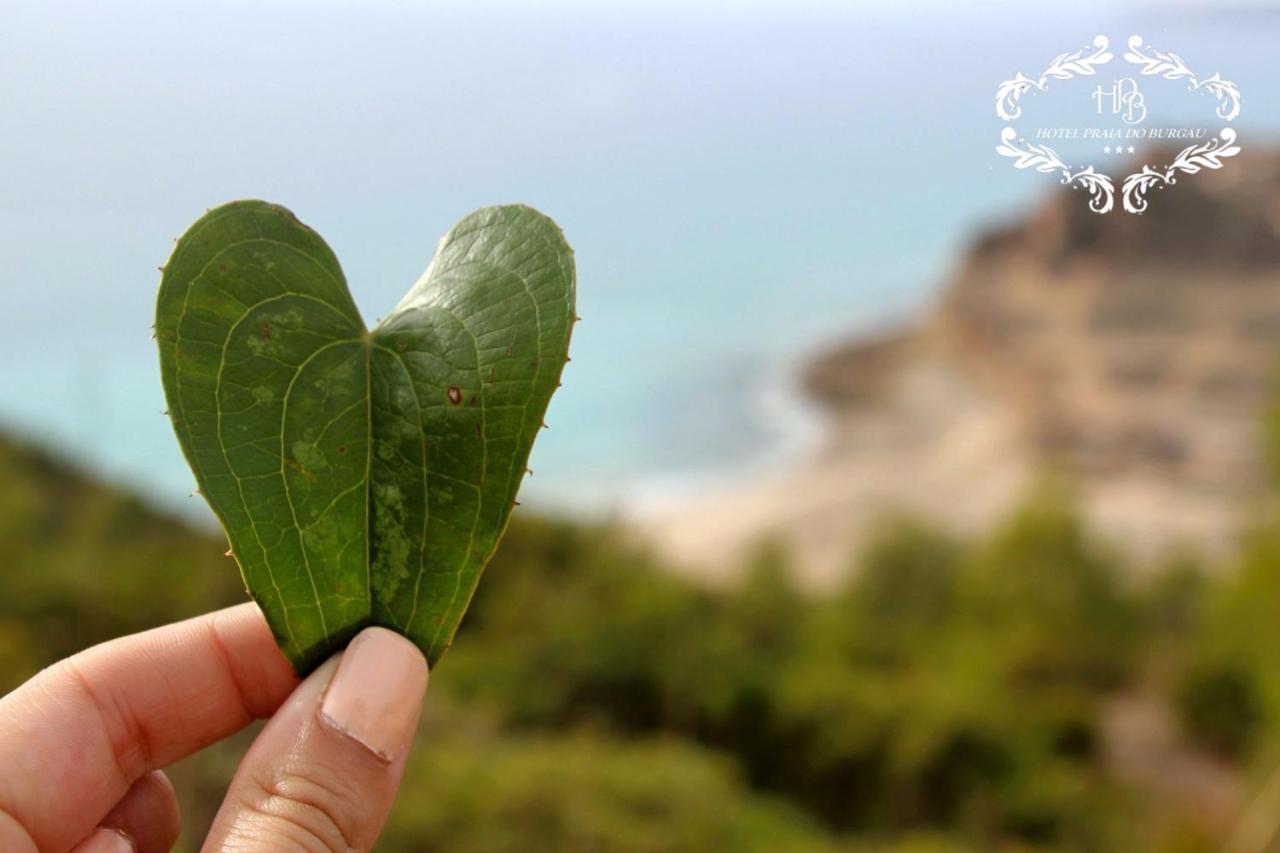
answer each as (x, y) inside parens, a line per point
(83, 743)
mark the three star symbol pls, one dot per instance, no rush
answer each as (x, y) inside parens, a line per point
(1119, 149)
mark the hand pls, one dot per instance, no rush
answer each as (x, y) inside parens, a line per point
(82, 743)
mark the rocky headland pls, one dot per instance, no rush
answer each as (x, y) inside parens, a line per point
(1131, 355)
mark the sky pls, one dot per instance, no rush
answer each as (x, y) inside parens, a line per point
(741, 182)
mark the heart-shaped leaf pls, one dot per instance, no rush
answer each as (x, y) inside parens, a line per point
(363, 478)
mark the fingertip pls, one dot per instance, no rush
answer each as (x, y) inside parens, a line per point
(376, 694)
(148, 816)
(105, 840)
(261, 672)
(324, 771)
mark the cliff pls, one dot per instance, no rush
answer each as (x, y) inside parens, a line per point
(1131, 354)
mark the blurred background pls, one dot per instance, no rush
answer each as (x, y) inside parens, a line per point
(893, 501)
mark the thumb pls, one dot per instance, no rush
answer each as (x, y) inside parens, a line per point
(323, 772)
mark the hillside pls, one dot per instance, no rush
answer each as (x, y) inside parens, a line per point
(999, 692)
(84, 561)
(1132, 354)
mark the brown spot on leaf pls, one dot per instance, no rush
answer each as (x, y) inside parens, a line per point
(266, 330)
(342, 448)
(297, 466)
(455, 396)
(222, 267)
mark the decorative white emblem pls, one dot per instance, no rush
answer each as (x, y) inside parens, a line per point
(1123, 98)
(1064, 67)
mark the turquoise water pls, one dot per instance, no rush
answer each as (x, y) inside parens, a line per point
(740, 184)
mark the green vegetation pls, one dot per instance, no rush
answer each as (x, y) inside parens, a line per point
(331, 453)
(952, 696)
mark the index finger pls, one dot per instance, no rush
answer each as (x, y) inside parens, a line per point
(78, 734)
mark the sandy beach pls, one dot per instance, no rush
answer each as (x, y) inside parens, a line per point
(929, 442)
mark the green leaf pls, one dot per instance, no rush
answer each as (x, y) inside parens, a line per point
(363, 478)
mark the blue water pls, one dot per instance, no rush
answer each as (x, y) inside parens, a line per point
(739, 182)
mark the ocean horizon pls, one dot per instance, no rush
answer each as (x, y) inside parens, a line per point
(741, 189)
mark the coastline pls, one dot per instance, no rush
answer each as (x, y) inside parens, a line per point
(898, 431)
(798, 422)
(1116, 353)
(800, 416)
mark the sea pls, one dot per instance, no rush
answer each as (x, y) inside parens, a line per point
(743, 183)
